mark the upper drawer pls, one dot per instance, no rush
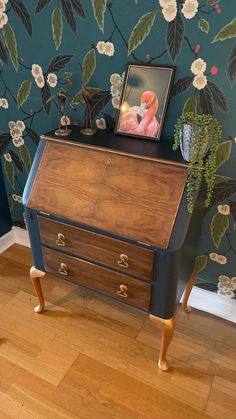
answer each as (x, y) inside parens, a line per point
(123, 256)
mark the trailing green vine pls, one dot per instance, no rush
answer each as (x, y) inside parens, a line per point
(206, 133)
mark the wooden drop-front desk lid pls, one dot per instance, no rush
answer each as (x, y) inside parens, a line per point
(130, 193)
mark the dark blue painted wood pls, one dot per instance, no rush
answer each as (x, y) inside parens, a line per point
(143, 148)
(33, 172)
(33, 229)
(173, 265)
(5, 217)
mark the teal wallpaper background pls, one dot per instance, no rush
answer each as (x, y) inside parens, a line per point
(46, 45)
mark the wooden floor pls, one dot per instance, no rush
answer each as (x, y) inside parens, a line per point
(89, 358)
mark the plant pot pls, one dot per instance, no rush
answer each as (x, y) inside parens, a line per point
(186, 141)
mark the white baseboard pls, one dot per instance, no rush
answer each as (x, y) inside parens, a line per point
(213, 303)
(201, 299)
(21, 236)
(6, 241)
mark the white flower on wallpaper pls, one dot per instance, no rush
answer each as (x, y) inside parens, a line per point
(170, 12)
(169, 9)
(7, 157)
(165, 3)
(16, 130)
(37, 73)
(226, 286)
(18, 142)
(20, 125)
(52, 79)
(190, 8)
(39, 80)
(2, 7)
(17, 198)
(221, 259)
(200, 81)
(106, 48)
(223, 209)
(101, 47)
(3, 19)
(109, 49)
(36, 70)
(116, 87)
(115, 102)
(116, 79)
(4, 103)
(101, 123)
(65, 120)
(198, 67)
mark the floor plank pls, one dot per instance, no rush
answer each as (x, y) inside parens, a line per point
(87, 357)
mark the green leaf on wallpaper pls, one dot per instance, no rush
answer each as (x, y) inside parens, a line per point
(204, 25)
(57, 26)
(190, 105)
(227, 32)
(10, 42)
(223, 153)
(232, 205)
(219, 226)
(212, 2)
(25, 156)
(66, 75)
(10, 203)
(141, 30)
(78, 97)
(88, 67)
(99, 8)
(232, 65)
(23, 92)
(218, 96)
(222, 191)
(220, 179)
(200, 263)
(9, 170)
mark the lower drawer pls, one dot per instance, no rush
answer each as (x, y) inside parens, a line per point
(112, 283)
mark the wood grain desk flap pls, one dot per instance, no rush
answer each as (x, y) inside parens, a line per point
(130, 197)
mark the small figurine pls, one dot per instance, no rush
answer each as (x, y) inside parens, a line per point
(62, 132)
(88, 130)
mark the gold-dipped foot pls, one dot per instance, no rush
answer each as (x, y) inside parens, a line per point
(168, 326)
(35, 276)
(187, 292)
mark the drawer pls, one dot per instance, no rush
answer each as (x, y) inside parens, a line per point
(109, 282)
(123, 256)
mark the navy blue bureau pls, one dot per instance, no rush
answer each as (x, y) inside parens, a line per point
(109, 213)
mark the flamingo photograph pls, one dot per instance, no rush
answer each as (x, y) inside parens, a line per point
(144, 100)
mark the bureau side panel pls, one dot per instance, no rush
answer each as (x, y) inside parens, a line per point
(175, 265)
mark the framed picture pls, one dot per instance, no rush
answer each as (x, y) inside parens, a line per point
(144, 100)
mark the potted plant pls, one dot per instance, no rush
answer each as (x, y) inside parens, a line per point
(198, 137)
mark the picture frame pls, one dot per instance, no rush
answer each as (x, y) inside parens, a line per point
(144, 99)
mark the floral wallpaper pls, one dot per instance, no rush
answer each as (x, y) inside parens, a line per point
(50, 45)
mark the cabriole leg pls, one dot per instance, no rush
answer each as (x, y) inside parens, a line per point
(168, 326)
(187, 292)
(35, 276)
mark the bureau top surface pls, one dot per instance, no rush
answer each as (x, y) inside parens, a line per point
(128, 196)
(154, 150)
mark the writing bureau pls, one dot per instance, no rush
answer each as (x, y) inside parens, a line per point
(109, 213)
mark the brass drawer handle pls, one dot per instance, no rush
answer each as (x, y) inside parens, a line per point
(123, 261)
(123, 291)
(61, 241)
(63, 270)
